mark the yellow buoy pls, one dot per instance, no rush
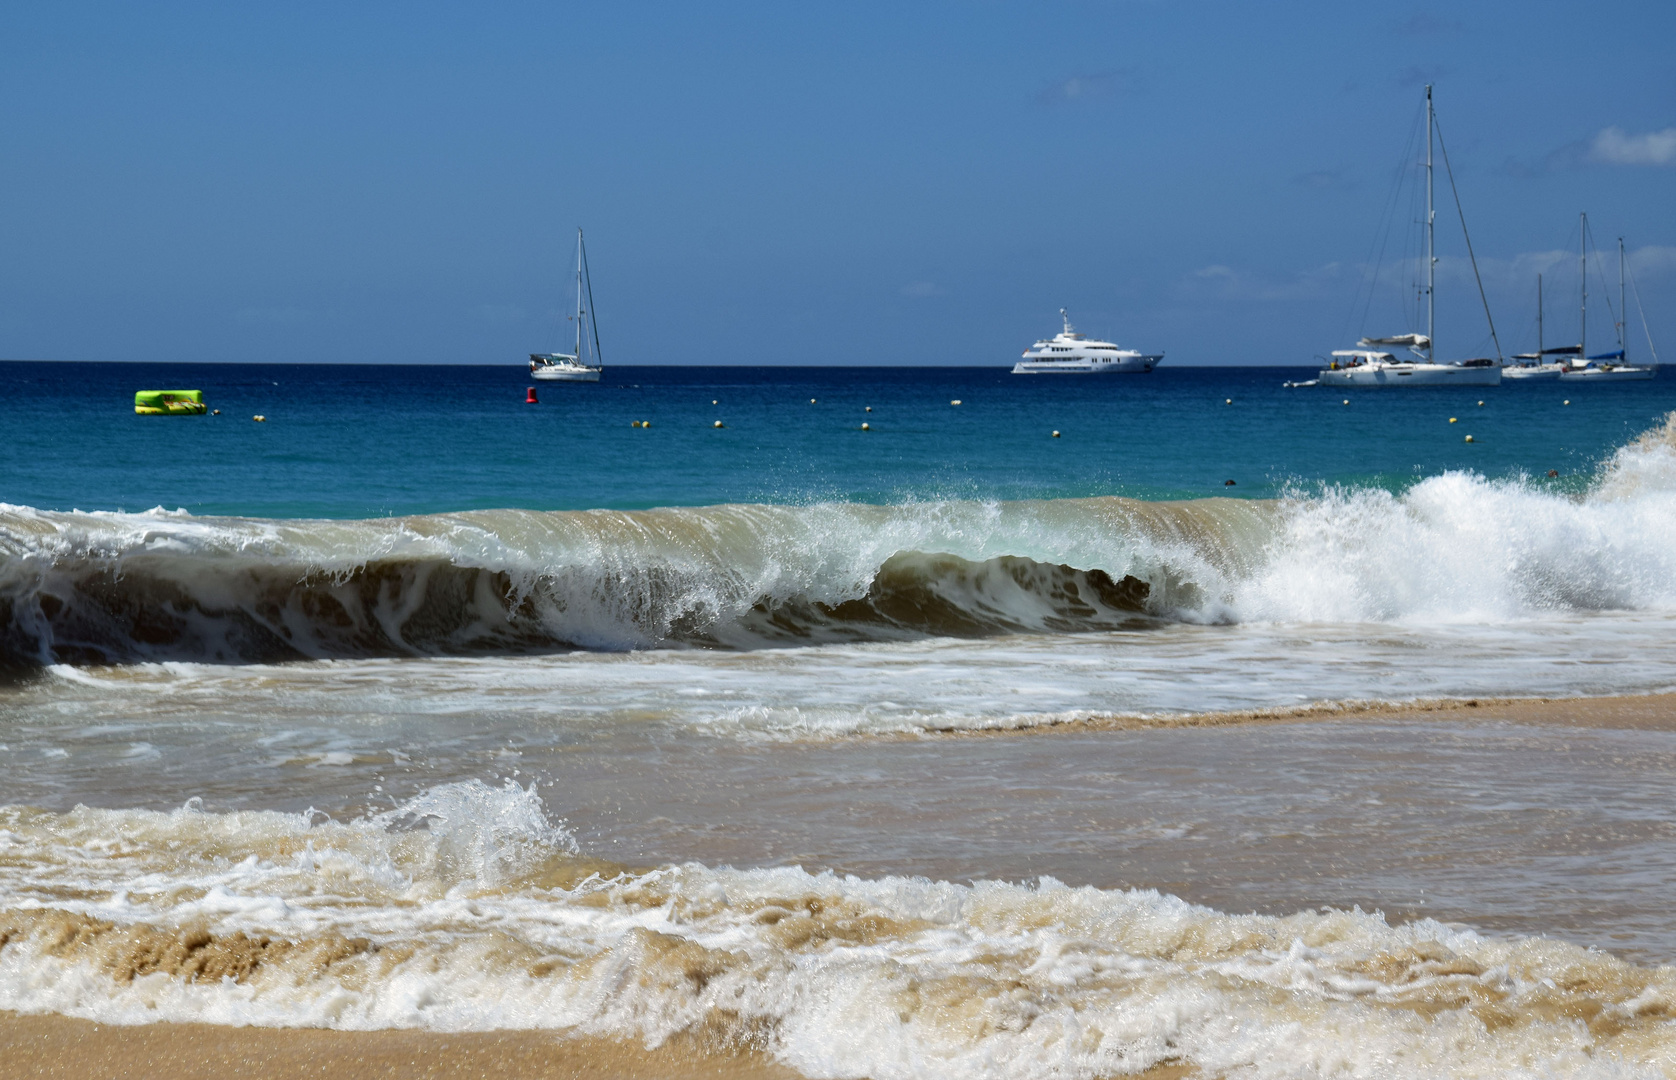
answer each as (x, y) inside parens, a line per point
(1451, 419)
(811, 401)
(1347, 401)
(259, 418)
(712, 401)
(1469, 438)
(645, 423)
(215, 412)
(956, 401)
(718, 423)
(1056, 434)
(1480, 404)
(866, 427)
(634, 423)
(869, 408)
(1567, 401)
(1229, 401)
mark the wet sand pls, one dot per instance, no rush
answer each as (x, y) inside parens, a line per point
(1637, 712)
(49, 1047)
(54, 1047)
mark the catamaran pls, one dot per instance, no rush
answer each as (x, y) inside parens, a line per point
(572, 367)
(1611, 366)
(1372, 363)
(1071, 353)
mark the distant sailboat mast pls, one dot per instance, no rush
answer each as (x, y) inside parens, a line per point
(1431, 249)
(1539, 350)
(1623, 312)
(1583, 275)
(579, 311)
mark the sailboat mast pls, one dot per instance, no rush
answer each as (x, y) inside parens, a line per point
(1431, 251)
(1539, 318)
(1623, 312)
(579, 310)
(1583, 276)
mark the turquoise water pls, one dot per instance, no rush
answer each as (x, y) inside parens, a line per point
(612, 705)
(352, 442)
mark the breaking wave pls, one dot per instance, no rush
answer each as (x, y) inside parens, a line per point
(109, 587)
(467, 909)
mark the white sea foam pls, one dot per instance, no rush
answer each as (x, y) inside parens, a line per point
(488, 918)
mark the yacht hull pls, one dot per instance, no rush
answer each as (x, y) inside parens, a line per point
(1527, 374)
(1617, 374)
(1382, 375)
(564, 375)
(1126, 365)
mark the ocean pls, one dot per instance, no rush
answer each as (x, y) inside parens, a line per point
(948, 747)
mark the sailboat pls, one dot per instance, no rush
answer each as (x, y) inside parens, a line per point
(572, 367)
(1607, 367)
(1373, 363)
(1536, 365)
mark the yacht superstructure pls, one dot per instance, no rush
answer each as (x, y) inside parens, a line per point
(1071, 353)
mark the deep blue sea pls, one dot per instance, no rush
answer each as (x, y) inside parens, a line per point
(372, 441)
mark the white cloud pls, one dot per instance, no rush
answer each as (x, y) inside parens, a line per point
(1519, 272)
(1617, 147)
(1099, 83)
(1653, 259)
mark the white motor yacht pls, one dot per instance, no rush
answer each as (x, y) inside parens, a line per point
(1071, 353)
(573, 367)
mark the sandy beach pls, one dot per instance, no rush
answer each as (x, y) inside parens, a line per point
(48, 1046)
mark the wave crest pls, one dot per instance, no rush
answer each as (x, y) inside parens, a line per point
(100, 587)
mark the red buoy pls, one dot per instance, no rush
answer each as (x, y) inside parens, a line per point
(530, 398)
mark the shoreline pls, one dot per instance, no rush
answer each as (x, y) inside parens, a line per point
(1638, 712)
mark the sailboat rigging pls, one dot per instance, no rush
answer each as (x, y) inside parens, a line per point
(1372, 363)
(1608, 366)
(1536, 365)
(573, 367)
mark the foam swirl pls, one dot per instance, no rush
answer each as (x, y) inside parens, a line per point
(488, 918)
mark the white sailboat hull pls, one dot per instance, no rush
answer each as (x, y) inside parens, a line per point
(1382, 375)
(1613, 374)
(1535, 371)
(563, 374)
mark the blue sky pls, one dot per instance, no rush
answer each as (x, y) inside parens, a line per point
(862, 183)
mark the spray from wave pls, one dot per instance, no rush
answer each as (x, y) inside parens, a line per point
(468, 909)
(100, 587)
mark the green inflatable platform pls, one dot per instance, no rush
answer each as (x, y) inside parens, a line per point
(169, 403)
